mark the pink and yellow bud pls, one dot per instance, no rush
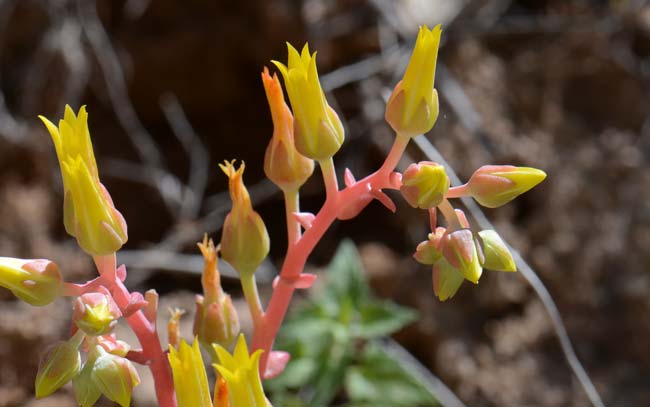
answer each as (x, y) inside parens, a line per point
(496, 253)
(190, 378)
(244, 241)
(114, 376)
(88, 211)
(283, 164)
(60, 364)
(424, 184)
(240, 370)
(496, 185)
(459, 249)
(37, 282)
(429, 251)
(446, 279)
(317, 129)
(85, 390)
(96, 313)
(412, 108)
(216, 322)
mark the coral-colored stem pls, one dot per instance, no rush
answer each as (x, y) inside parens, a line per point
(292, 205)
(75, 290)
(457, 192)
(144, 330)
(297, 254)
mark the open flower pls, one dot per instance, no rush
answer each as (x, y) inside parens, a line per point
(190, 379)
(88, 211)
(241, 373)
(412, 108)
(318, 129)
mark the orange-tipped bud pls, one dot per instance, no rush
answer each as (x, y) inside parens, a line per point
(37, 282)
(496, 185)
(244, 241)
(173, 327)
(424, 184)
(412, 108)
(95, 313)
(283, 164)
(216, 322)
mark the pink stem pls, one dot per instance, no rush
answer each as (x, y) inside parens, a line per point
(75, 290)
(457, 192)
(146, 332)
(297, 254)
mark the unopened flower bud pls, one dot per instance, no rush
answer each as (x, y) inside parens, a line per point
(459, 249)
(37, 282)
(446, 279)
(60, 364)
(88, 211)
(244, 240)
(85, 390)
(318, 130)
(429, 251)
(115, 377)
(496, 185)
(412, 108)
(113, 345)
(216, 322)
(95, 313)
(424, 184)
(497, 255)
(283, 164)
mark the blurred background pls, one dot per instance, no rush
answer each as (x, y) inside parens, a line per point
(173, 88)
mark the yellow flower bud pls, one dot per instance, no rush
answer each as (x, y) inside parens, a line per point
(85, 390)
(412, 108)
(37, 282)
(318, 130)
(429, 251)
(446, 279)
(283, 164)
(190, 378)
(497, 255)
(88, 211)
(496, 185)
(95, 313)
(244, 240)
(240, 370)
(424, 184)
(60, 364)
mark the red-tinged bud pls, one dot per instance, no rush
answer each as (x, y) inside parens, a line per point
(429, 251)
(459, 249)
(244, 241)
(496, 185)
(60, 364)
(113, 345)
(446, 279)
(216, 322)
(37, 282)
(424, 184)
(96, 313)
(115, 377)
(283, 164)
(497, 255)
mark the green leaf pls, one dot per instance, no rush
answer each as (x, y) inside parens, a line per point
(380, 381)
(345, 276)
(382, 318)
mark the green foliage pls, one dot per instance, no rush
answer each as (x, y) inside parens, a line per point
(335, 342)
